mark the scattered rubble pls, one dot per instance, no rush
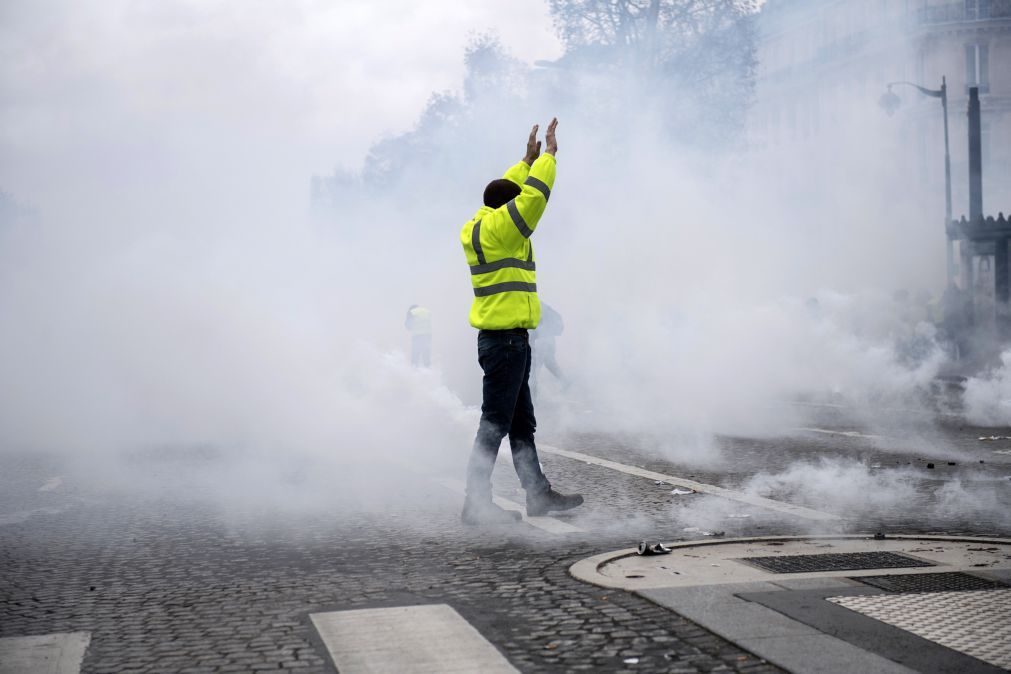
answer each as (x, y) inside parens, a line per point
(647, 548)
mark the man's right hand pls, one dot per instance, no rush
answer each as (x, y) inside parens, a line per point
(533, 147)
(549, 138)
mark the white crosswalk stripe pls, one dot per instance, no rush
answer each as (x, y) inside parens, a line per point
(60, 653)
(432, 639)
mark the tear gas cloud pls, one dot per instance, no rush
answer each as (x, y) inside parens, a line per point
(861, 492)
(166, 282)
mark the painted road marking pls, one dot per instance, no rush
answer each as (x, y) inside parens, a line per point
(768, 503)
(51, 484)
(848, 434)
(428, 639)
(903, 410)
(44, 654)
(549, 524)
(25, 515)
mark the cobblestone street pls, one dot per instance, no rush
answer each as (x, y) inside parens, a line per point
(185, 561)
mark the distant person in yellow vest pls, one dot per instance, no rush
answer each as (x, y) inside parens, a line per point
(419, 324)
(496, 243)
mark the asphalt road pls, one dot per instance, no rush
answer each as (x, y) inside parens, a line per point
(207, 560)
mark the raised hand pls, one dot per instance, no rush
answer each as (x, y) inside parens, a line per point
(549, 137)
(533, 146)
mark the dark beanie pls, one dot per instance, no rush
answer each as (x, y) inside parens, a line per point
(500, 192)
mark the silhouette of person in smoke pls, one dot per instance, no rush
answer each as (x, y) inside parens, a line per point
(542, 343)
(419, 324)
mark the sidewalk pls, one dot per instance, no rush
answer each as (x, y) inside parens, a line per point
(835, 604)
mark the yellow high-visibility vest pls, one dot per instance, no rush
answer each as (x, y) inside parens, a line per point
(419, 321)
(497, 245)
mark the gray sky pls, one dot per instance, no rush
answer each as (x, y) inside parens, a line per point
(180, 101)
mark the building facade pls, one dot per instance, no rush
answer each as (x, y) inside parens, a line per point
(825, 64)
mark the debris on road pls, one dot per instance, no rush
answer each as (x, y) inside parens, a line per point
(678, 491)
(738, 516)
(631, 661)
(992, 438)
(647, 548)
(696, 530)
(659, 483)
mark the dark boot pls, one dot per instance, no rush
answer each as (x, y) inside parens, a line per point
(540, 503)
(480, 511)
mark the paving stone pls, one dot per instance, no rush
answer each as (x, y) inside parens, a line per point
(191, 582)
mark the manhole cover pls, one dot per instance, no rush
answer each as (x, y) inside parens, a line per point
(931, 582)
(844, 561)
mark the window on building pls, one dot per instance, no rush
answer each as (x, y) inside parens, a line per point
(979, 10)
(977, 67)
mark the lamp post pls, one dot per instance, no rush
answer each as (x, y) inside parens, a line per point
(890, 102)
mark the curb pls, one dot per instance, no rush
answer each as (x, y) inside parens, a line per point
(588, 570)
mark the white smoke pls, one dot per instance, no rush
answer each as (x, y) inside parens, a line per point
(864, 495)
(988, 396)
(175, 291)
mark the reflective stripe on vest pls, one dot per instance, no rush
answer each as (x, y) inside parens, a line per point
(483, 267)
(508, 286)
(539, 185)
(518, 220)
(475, 242)
(526, 265)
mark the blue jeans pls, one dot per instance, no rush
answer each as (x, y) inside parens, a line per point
(507, 409)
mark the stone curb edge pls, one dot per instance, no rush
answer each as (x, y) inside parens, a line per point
(588, 570)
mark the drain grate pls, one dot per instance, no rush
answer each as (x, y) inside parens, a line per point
(952, 581)
(840, 561)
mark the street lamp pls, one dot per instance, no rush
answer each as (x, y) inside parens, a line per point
(891, 102)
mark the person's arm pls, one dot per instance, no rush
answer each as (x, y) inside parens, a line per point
(524, 212)
(518, 172)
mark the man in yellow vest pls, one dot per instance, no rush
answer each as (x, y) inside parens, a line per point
(419, 324)
(496, 242)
